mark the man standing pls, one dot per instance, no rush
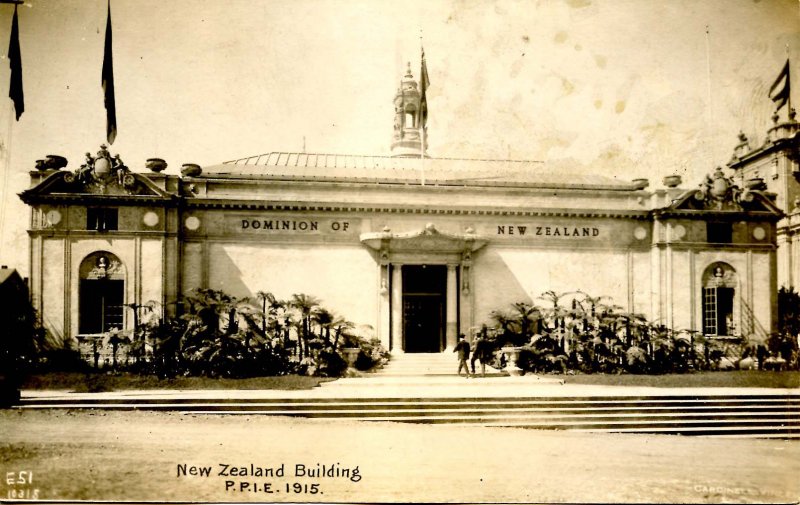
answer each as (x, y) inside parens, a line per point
(462, 348)
(480, 353)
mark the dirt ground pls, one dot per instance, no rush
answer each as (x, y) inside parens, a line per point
(133, 456)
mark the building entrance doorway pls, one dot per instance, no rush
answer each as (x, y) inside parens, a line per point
(424, 288)
(101, 294)
(720, 311)
(101, 305)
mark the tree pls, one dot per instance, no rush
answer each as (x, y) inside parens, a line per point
(305, 305)
(526, 316)
(324, 319)
(506, 324)
(788, 311)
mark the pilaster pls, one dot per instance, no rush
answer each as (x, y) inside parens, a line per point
(397, 337)
(451, 324)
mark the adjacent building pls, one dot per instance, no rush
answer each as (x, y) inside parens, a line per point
(774, 166)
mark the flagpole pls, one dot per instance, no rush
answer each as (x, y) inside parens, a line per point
(789, 83)
(708, 90)
(422, 153)
(6, 168)
(15, 107)
(421, 123)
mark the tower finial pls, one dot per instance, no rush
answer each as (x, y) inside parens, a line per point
(406, 136)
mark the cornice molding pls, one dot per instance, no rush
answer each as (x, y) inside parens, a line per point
(389, 209)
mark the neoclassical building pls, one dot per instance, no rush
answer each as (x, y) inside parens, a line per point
(416, 248)
(774, 166)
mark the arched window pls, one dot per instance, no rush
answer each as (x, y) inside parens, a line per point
(720, 310)
(102, 293)
(411, 116)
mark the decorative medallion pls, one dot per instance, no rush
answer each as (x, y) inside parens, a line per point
(150, 218)
(679, 231)
(640, 233)
(53, 217)
(759, 233)
(192, 223)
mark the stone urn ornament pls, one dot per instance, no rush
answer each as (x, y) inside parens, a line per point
(191, 170)
(512, 358)
(672, 181)
(54, 162)
(350, 356)
(156, 164)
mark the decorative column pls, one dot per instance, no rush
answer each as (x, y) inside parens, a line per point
(398, 344)
(452, 307)
(384, 310)
(466, 301)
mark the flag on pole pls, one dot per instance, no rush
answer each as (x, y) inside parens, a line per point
(781, 96)
(15, 61)
(108, 84)
(424, 82)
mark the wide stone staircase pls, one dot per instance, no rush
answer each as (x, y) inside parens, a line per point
(740, 415)
(424, 365)
(424, 388)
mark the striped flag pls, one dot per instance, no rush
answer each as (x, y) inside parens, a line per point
(108, 84)
(15, 61)
(780, 89)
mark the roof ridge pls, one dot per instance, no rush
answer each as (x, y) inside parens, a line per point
(268, 155)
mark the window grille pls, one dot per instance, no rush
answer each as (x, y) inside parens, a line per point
(710, 311)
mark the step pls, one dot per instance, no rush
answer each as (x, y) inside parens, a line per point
(736, 415)
(593, 402)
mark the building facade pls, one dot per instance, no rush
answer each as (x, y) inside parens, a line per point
(415, 248)
(774, 166)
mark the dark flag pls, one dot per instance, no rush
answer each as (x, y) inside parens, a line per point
(108, 84)
(424, 82)
(782, 95)
(15, 61)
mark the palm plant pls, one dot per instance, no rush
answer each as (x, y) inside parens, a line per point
(341, 325)
(324, 319)
(305, 305)
(556, 313)
(505, 324)
(526, 317)
(266, 299)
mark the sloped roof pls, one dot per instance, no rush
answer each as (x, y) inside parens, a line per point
(442, 171)
(5, 274)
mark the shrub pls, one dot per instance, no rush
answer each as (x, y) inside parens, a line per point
(330, 364)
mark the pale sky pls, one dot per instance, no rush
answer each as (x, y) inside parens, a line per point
(619, 87)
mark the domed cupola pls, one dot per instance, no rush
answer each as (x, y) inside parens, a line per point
(406, 140)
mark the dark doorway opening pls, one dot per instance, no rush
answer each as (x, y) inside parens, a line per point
(724, 311)
(718, 311)
(424, 288)
(100, 305)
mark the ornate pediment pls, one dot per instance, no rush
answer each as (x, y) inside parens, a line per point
(99, 176)
(719, 194)
(428, 240)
